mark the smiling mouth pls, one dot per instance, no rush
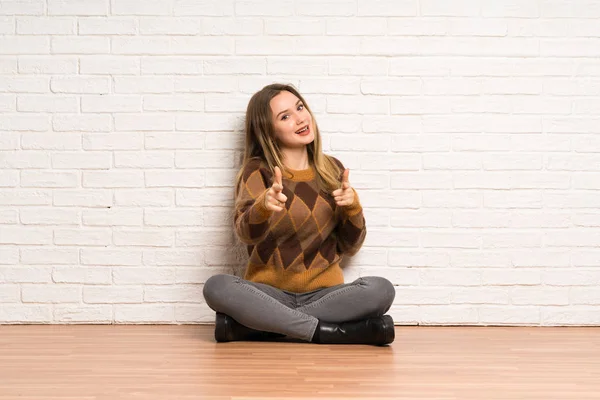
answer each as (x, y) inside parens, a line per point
(302, 130)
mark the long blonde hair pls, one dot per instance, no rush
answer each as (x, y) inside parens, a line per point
(261, 143)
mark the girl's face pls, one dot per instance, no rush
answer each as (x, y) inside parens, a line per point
(291, 121)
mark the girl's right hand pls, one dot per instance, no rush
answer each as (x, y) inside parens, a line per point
(275, 199)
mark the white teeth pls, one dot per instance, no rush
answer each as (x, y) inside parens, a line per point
(302, 130)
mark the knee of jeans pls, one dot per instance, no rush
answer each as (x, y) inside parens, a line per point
(384, 289)
(215, 288)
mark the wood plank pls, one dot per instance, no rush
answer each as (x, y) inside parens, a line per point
(183, 362)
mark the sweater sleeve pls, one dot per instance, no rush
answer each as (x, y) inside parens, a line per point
(251, 216)
(351, 229)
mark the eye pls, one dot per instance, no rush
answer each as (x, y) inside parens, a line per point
(301, 107)
(284, 117)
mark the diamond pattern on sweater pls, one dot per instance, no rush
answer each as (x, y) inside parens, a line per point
(306, 213)
(307, 193)
(266, 248)
(310, 233)
(290, 250)
(298, 212)
(322, 214)
(311, 251)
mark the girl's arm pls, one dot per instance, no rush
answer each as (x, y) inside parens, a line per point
(252, 218)
(351, 229)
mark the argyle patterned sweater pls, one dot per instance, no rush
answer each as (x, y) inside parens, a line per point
(299, 248)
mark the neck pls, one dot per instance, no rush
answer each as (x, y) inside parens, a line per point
(296, 159)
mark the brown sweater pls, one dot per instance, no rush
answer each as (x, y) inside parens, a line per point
(298, 249)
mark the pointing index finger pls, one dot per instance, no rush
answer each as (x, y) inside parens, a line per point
(345, 179)
(278, 179)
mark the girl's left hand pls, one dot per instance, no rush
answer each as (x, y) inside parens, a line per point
(345, 195)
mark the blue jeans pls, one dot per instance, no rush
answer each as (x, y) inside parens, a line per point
(266, 308)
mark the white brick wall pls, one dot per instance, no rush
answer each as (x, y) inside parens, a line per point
(470, 127)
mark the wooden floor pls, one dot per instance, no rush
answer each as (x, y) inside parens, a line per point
(148, 362)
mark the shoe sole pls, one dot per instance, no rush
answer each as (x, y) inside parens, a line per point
(221, 329)
(388, 327)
